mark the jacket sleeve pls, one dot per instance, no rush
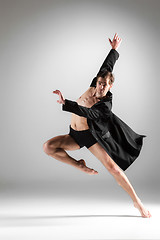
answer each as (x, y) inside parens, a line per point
(91, 113)
(108, 63)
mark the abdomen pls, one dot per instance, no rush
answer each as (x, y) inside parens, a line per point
(79, 123)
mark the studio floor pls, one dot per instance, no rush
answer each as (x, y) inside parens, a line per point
(45, 216)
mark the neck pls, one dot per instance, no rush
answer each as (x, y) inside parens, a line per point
(99, 96)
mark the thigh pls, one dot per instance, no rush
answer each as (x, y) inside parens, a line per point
(63, 141)
(99, 152)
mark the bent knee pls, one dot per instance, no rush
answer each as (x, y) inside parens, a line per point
(48, 148)
(45, 147)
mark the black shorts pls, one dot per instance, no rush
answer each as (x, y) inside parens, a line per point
(83, 138)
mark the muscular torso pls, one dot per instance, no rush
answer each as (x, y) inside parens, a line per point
(88, 99)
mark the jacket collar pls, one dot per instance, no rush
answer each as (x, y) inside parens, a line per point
(108, 97)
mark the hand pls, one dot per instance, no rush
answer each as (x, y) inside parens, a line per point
(115, 43)
(61, 98)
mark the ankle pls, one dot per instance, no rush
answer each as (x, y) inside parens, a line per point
(137, 200)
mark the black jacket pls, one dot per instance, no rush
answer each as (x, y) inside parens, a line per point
(121, 143)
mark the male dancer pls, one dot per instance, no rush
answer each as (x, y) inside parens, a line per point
(94, 126)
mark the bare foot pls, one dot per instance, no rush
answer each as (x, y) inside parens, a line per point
(145, 213)
(82, 166)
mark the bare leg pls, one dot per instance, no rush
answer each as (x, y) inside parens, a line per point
(56, 147)
(120, 177)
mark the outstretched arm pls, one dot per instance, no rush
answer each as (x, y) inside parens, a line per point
(111, 58)
(94, 113)
(90, 113)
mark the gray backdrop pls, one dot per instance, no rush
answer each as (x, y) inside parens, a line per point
(48, 45)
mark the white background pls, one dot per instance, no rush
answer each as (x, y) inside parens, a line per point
(48, 45)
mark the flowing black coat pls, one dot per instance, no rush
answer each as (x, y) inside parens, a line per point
(121, 143)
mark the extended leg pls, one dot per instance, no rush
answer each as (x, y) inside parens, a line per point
(119, 175)
(55, 147)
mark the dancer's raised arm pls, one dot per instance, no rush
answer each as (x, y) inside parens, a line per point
(111, 58)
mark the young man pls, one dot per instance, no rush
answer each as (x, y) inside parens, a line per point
(94, 126)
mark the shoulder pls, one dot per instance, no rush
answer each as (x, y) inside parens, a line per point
(103, 105)
(107, 99)
(109, 96)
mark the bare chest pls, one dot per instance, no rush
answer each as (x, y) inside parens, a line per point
(87, 100)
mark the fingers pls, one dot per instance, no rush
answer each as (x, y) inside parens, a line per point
(115, 43)
(117, 38)
(56, 92)
(61, 99)
(110, 40)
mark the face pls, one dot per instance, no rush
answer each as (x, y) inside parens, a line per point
(102, 86)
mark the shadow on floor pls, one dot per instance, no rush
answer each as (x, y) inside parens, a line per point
(5, 218)
(9, 221)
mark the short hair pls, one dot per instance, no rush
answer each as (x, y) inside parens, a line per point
(104, 73)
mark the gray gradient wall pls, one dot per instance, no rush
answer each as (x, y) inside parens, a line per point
(48, 45)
